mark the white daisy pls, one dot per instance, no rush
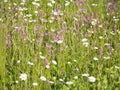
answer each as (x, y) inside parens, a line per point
(30, 63)
(75, 60)
(52, 1)
(5, 0)
(95, 58)
(100, 37)
(42, 57)
(54, 62)
(18, 61)
(106, 44)
(51, 82)
(49, 4)
(43, 78)
(93, 4)
(60, 41)
(85, 74)
(16, 81)
(69, 62)
(85, 44)
(106, 58)
(75, 77)
(116, 67)
(47, 66)
(69, 82)
(35, 84)
(94, 22)
(61, 80)
(92, 79)
(67, 3)
(23, 77)
(95, 47)
(84, 40)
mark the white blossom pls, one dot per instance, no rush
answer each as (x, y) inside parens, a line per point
(100, 37)
(36, 12)
(75, 77)
(116, 67)
(43, 78)
(85, 44)
(61, 80)
(16, 81)
(92, 79)
(95, 47)
(106, 44)
(94, 22)
(75, 19)
(35, 84)
(75, 60)
(53, 1)
(55, 13)
(30, 63)
(60, 41)
(54, 62)
(5, 0)
(85, 74)
(18, 61)
(112, 33)
(51, 82)
(23, 77)
(48, 66)
(94, 4)
(69, 82)
(106, 57)
(95, 58)
(67, 3)
(69, 62)
(49, 4)
(36, 4)
(84, 40)
(42, 57)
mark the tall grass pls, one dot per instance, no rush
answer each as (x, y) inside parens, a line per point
(60, 45)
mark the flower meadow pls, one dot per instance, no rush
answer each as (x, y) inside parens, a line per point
(59, 45)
